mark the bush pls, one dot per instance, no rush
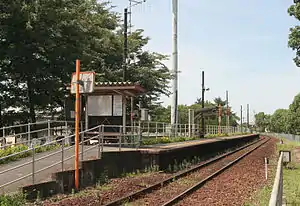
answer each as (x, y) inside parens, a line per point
(165, 140)
(12, 150)
(19, 148)
(15, 200)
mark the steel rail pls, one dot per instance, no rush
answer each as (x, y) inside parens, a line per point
(184, 173)
(203, 181)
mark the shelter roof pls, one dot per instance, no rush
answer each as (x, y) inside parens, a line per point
(131, 89)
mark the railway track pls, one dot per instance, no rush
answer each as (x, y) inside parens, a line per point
(173, 189)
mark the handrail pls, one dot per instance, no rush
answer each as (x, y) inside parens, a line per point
(277, 191)
(46, 144)
(136, 131)
(33, 160)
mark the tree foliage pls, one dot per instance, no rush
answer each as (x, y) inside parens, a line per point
(282, 120)
(294, 36)
(40, 41)
(163, 114)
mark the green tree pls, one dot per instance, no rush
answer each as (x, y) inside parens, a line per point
(39, 46)
(294, 36)
(294, 117)
(162, 114)
(218, 101)
(279, 120)
(262, 121)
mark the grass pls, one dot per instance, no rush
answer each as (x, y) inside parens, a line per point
(287, 145)
(291, 185)
(291, 174)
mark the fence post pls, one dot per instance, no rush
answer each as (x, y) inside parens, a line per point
(3, 131)
(139, 134)
(66, 128)
(102, 139)
(99, 144)
(266, 168)
(33, 164)
(156, 130)
(29, 144)
(120, 138)
(62, 154)
(82, 140)
(180, 130)
(49, 129)
(148, 129)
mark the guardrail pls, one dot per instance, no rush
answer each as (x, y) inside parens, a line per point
(277, 191)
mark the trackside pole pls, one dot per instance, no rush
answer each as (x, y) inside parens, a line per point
(77, 111)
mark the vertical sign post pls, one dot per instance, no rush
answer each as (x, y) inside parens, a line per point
(77, 111)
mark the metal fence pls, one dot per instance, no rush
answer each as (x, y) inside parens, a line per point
(162, 129)
(43, 132)
(35, 133)
(290, 137)
(37, 164)
(48, 147)
(277, 191)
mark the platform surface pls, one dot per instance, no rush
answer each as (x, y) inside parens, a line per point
(188, 143)
(69, 164)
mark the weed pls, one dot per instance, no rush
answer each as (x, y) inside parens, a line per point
(17, 199)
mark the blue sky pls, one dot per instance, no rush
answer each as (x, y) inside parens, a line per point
(241, 46)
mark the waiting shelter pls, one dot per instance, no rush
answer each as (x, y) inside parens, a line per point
(105, 103)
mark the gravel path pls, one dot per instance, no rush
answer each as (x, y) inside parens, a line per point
(236, 184)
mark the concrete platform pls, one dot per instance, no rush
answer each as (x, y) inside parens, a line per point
(126, 160)
(188, 143)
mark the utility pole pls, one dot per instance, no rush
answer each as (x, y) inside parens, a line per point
(174, 101)
(202, 99)
(241, 118)
(125, 44)
(125, 61)
(227, 112)
(125, 68)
